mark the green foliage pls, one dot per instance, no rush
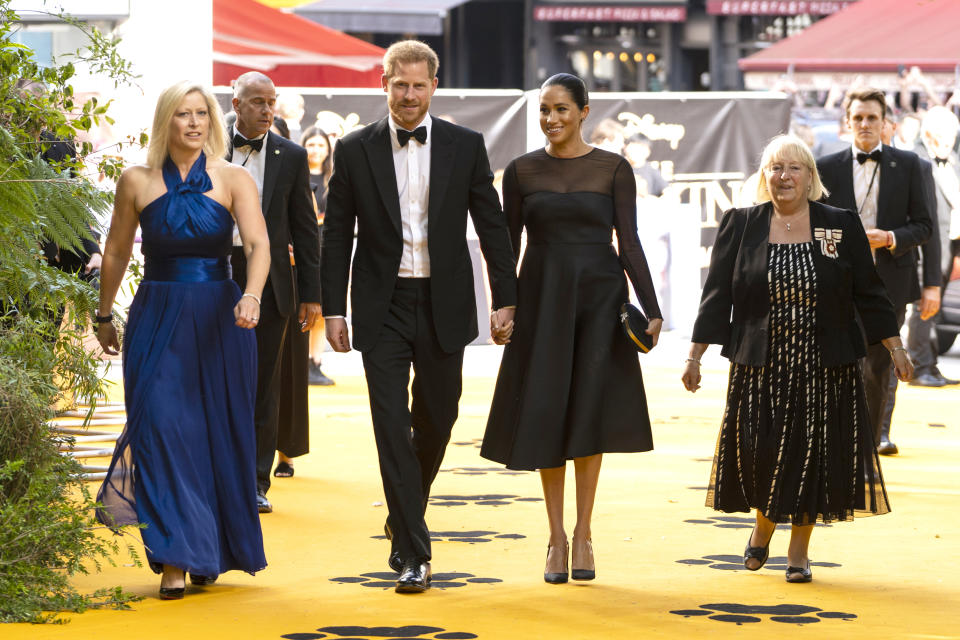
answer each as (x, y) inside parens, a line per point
(47, 530)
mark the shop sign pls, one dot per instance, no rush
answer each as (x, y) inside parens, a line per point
(593, 13)
(775, 7)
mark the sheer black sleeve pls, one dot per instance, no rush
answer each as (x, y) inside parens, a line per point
(513, 206)
(631, 253)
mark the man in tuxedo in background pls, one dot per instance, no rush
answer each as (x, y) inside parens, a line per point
(279, 167)
(406, 182)
(886, 187)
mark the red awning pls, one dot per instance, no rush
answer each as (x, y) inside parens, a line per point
(871, 35)
(293, 51)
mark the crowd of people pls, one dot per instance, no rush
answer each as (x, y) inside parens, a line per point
(806, 292)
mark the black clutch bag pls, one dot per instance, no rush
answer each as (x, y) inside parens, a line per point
(634, 324)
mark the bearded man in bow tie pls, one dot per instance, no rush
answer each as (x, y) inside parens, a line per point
(280, 170)
(406, 182)
(888, 189)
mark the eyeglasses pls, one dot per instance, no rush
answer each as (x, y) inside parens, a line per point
(789, 169)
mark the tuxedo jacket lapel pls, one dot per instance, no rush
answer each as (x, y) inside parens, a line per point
(442, 150)
(271, 168)
(379, 152)
(753, 250)
(889, 177)
(846, 196)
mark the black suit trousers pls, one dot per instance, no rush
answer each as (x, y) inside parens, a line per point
(411, 437)
(271, 332)
(877, 370)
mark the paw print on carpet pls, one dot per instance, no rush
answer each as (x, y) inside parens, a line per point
(414, 632)
(482, 471)
(739, 614)
(388, 580)
(738, 522)
(733, 563)
(487, 500)
(475, 443)
(465, 536)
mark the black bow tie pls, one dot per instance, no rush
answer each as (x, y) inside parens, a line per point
(873, 155)
(240, 141)
(942, 161)
(403, 136)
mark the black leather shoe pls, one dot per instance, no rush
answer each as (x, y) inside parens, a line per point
(800, 574)
(756, 553)
(415, 577)
(558, 577)
(201, 581)
(171, 593)
(395, 562)
(263, 505)
(887, 448)
(928, 380)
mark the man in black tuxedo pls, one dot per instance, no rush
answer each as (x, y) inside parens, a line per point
(279, 167)
(406, 182)
(887, 188)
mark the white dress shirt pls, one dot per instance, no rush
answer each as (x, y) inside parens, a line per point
(867, 196)
(254, 162)
(412, 166)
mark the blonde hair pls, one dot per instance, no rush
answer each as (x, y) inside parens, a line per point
(407, 51)
(789, 147)
(167, 103)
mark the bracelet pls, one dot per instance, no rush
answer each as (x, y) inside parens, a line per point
(104, 319)
(896, 349)
(250, 295)
(693, 360)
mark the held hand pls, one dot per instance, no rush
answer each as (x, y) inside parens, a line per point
(691, 376)
(310, 316)
(653, 329)
(929, 302)
(902, 365)
(107, 336)
(247, 313)
(338, 335)
(501, 325)
(878, 238)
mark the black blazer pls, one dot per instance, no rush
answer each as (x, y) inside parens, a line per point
(903, 207)
(63, 258)
(735, 306)
(363, 193)
(288, 212)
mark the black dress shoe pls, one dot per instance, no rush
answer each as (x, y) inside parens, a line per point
(928, 380)
(395, 562)
(171, 593)
(887, 448)
(201, 581)
(415, 577)
(316, 377)
(263, 505)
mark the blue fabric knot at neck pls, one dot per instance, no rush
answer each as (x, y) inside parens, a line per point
(185, 200)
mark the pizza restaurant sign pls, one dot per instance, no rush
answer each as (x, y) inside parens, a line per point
(775, 7)
(594, 13)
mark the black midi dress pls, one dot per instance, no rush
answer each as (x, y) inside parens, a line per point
(795, 442)
(570, 384)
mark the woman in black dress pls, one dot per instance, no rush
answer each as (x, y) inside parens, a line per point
(569, 386)
(785, 279)
(320, 159)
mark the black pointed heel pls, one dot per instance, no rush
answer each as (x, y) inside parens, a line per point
(584, 574)
(171, 593)
(558, 577)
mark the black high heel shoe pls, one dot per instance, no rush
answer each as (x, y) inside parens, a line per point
(558, 577)
(756, 553)
(584, 574)
(805, 574)
(202, 581)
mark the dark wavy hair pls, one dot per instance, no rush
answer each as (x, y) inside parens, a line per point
(573, 85)
(313, 132)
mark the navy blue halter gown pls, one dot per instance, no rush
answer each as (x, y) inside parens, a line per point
(185, 463)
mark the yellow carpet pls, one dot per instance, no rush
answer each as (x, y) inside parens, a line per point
(666, 565)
